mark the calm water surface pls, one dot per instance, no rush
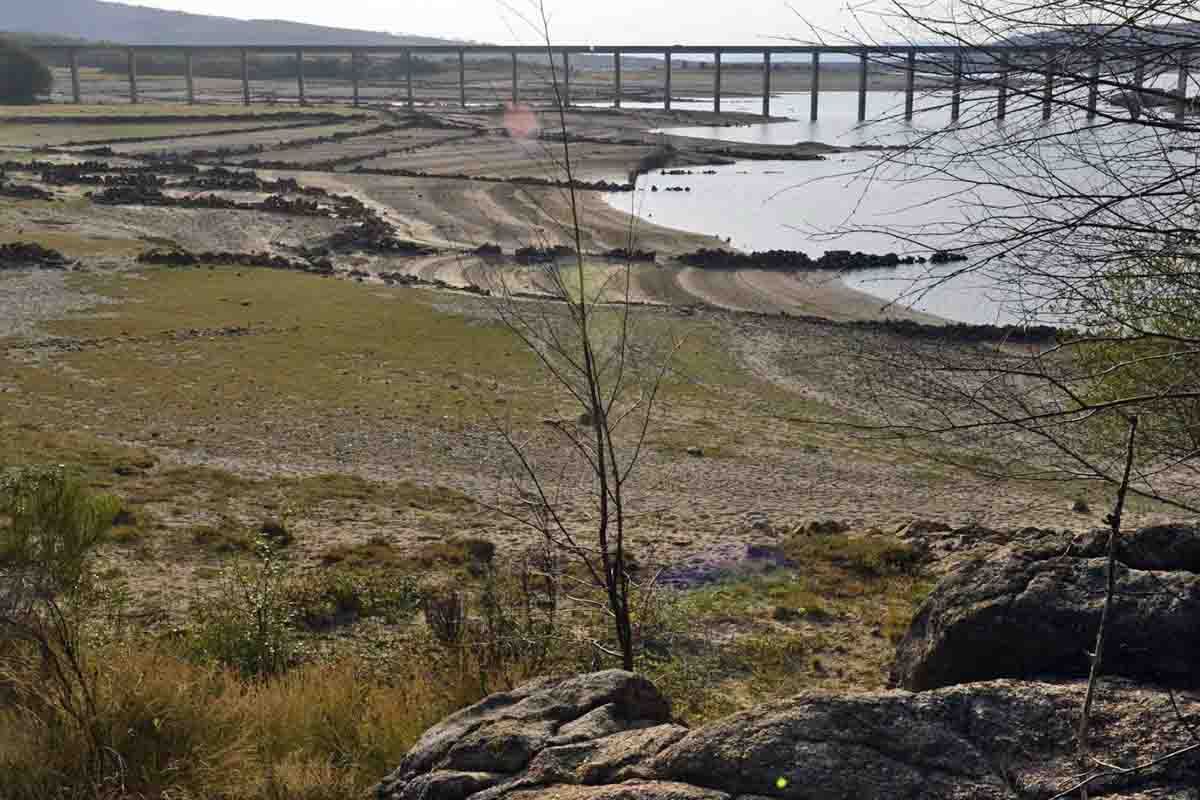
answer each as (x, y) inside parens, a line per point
(836, 204)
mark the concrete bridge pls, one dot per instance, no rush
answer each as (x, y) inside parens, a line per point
(1002, 69)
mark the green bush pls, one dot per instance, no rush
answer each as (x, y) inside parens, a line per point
(248, 625)
(53, 527)
(23, 77)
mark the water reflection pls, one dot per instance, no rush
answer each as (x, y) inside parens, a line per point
(854, 201)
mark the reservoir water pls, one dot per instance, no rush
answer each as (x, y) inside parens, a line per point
(849, 201)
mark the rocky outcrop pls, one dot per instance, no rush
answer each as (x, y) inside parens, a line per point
(16, 255)
(586, 729)
(607, 736)
(983, 726)
(1031, 610)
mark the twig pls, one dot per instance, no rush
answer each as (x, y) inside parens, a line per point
(1114, 520)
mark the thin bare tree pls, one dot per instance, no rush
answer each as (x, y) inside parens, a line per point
(583, 331)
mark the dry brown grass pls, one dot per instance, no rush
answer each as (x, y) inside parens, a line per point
(176, 729)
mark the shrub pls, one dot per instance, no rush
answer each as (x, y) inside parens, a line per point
(23, 77)
(870, 556)
(248, 625)
(330, 598)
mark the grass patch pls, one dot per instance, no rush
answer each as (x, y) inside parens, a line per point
(321, 731)
(869, 556)
(315, 344)
(70, 244)
(25, 134)
(228, 537)
(342, 488)
(378, 553)
(831, 623)
(338, 597)
(82, 112)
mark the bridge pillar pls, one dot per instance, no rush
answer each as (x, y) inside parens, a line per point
(910, 80)
(1002, 95)
(133, 87)
(862, 86)
(300, 77)
(815, 86)
(246, 79)
(516, 91)
(566, 90)
(616, 79)
(1139, 77)
(462, 78)
(667, 81)
(1093, 87)
(189, 77)
(355, 76)
(1181, 101)
(1048, 89)
(766, 84)
(717, 82)
(408, 78)
(76, 94)
(956, 88)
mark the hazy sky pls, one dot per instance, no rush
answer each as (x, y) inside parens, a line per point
(572, 21)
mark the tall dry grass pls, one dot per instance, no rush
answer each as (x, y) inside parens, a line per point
(172, 728)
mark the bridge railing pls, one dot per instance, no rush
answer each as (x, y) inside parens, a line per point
(955, 66)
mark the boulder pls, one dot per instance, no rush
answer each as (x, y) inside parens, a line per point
(606, 737)
(501, 734)
(1033, 609)
(1000, 739)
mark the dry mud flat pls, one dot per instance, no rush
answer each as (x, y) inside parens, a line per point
(277, 374)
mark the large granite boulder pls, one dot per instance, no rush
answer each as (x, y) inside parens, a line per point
(585, 729)
(1027, 611)
(606, 737)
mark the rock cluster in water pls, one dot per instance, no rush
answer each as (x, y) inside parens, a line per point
(795, 260)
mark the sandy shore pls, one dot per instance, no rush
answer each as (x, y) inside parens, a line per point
(456, 180)
(457, 213)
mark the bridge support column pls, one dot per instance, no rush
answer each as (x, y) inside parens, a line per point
(462, 79)
(667, 81)
(956, 88)
(133, 87)
(246, 79)
(1048, 89)
(300, 77)
(1181, 101)
(408, 82)
(1002, 95)
(766, 84)
(910, 81)
(516, 90)
(815, 85)
(616, 79)
(1093, 88)
(566, 90)
(717, 82)
(189, 77)
(1139, 77)
(862, 86)
(76, 94)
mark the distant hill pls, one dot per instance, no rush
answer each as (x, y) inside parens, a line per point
(1178, 35)
(129, 24)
